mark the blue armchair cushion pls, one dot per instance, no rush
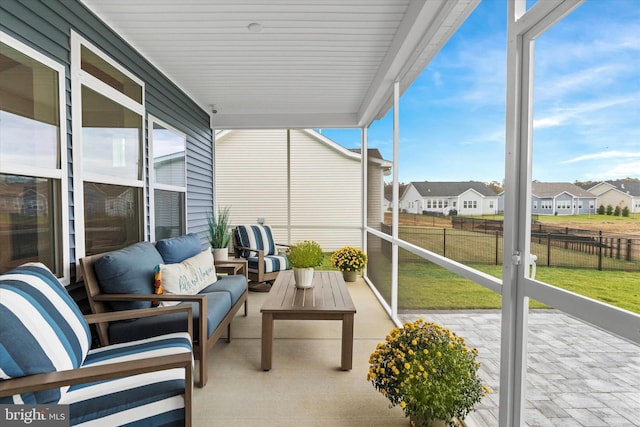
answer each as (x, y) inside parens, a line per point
(128, 271)
(177, 249)
(255, 237)
(38, 313)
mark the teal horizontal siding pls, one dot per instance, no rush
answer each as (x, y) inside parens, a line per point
(46, 26)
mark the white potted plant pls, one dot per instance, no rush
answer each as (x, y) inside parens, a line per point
(220, 233)
(303, 257)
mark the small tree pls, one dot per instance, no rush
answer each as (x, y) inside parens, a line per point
(601, 210)
(625, 211)
(609, 209)
(616, 211)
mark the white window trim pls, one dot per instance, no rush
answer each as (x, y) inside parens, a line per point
(62, 172)
(151, 120)
(81, 78)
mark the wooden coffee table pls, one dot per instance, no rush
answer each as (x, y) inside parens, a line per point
(329, 299)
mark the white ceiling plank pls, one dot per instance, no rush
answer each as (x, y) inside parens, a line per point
(331, 60)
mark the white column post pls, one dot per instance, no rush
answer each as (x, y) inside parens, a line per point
(396, 197)
(517, 195)
(365, 185)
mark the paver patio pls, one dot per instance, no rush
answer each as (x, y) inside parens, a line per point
(578, 375)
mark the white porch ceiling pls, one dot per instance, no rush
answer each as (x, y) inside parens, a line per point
(314, 64)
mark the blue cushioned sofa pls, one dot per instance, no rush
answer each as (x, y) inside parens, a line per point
(124, 280)
(45, 358)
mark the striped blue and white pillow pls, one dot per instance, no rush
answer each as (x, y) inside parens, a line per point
(256, 237)
(42, 329)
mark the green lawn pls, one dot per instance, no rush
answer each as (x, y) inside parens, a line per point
(423, 285)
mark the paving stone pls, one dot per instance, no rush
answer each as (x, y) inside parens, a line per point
(586, 418)
(577, 374)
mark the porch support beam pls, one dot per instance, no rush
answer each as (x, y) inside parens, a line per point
(396, 198)
(513, 351)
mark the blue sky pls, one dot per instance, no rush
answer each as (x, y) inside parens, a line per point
(586, 105)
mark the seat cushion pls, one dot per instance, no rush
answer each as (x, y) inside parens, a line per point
(154, 398)
(235, 285)
(218, 305)
(128, 271)
(271, 263)
(255, 237)
(42, 329)
(177, 249)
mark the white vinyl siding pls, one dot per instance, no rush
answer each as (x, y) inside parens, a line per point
(322, 201)
(325, 192)
(251, 177)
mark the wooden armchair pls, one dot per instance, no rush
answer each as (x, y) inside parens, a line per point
(255, 243)
(48, 359)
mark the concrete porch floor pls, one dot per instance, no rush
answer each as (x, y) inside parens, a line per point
(578, 375)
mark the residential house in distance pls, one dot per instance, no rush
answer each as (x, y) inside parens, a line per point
(558, 198)
(618, 193)
(465, 197)
(301, 183)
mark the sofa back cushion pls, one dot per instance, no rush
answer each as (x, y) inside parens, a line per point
(255, 237)
(177, 249)
(42, 329)
(128, 271)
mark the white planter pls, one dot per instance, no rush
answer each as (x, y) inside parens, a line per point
(303, 277)
(221, 254)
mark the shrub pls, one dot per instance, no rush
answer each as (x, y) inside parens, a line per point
(625, 211)
(609, 209)
(305, 254)
(601, 210)
(616, 211)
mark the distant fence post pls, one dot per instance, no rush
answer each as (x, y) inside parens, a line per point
(600, 251)
(444, 242)
(548, 249)
(497, 242)
(628, 254)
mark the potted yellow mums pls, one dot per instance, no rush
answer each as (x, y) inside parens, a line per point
(429, 372)
(350, 261)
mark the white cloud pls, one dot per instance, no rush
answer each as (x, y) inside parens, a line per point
(607, 155)
(623, 170)
(561, 116)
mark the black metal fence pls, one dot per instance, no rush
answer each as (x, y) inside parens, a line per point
(480, 241)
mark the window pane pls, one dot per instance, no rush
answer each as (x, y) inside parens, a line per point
(169, 214)
(111, 136)
(112, 217)
(29, 111)
(29, 222)
(101, 69)
(168, 156)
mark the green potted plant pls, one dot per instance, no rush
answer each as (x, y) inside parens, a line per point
(220, 233)
(350, 261)
(303, 257)
(429, 372)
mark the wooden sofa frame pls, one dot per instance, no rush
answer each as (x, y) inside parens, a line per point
(202, 343)
(83, 375)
